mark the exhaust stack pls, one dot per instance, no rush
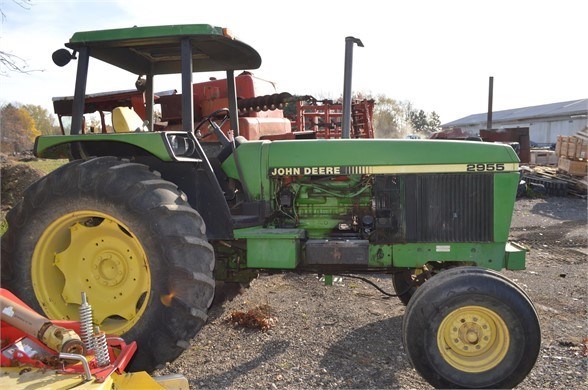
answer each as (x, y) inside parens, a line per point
(346, 126)
(490, 99)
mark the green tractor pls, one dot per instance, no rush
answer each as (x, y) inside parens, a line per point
(147, 222)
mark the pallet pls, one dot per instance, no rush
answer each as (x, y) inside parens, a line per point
(575, 186)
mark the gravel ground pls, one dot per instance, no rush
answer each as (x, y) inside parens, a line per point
(348, 335)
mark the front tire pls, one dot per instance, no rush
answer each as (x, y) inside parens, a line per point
(128, 239)
(471, 328)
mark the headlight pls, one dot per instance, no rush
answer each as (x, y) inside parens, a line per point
(181, 145)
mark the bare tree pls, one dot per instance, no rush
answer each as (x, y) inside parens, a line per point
(10, 62)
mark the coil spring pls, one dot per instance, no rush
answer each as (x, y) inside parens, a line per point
(86, 326)
(101, 348)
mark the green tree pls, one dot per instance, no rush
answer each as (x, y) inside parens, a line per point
(17, 128)
(418, 120)
(44, 120)
(434, 123)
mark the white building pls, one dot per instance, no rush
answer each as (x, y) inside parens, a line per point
(545, 122)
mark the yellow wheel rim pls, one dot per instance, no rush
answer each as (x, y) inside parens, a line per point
(92, 252)
(473, 339)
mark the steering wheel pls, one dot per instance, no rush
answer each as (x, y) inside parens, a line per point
(215, 121)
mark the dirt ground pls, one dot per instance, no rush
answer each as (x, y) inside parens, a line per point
(15, 178)
(348, 335)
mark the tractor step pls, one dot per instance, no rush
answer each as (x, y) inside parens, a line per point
(244, 221)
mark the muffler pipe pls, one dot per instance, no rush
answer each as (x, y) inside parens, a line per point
(346, 127)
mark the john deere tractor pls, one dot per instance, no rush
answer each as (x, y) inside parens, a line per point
(146, 222)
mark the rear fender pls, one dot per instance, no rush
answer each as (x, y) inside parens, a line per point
(157, 144)
(187, 167)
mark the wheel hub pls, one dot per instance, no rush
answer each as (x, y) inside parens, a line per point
(470, 333)
(473, 339)
(96, 254)
(108, 269)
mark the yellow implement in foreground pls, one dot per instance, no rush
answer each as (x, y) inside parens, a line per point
(40, 353)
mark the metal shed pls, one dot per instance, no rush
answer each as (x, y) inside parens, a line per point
(545, 122)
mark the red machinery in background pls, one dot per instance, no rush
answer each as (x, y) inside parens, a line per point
(261, 110)
(323, 118)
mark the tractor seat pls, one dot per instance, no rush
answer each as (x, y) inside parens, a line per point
(240, 139)
(125, 120)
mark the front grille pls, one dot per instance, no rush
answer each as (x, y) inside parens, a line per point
(449, 208)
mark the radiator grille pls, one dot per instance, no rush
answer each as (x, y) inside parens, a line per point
(449, 208)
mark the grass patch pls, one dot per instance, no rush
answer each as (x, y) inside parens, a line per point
(46, 166)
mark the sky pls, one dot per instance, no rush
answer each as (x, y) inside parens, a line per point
(436, 54)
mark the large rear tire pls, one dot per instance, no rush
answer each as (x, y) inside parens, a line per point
(471, 328)
(128, 239)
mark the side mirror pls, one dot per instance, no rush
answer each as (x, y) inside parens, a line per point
(62, 57)
(141, 84)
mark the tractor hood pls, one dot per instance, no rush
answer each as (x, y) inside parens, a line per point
(156, 50)
(357, 157)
